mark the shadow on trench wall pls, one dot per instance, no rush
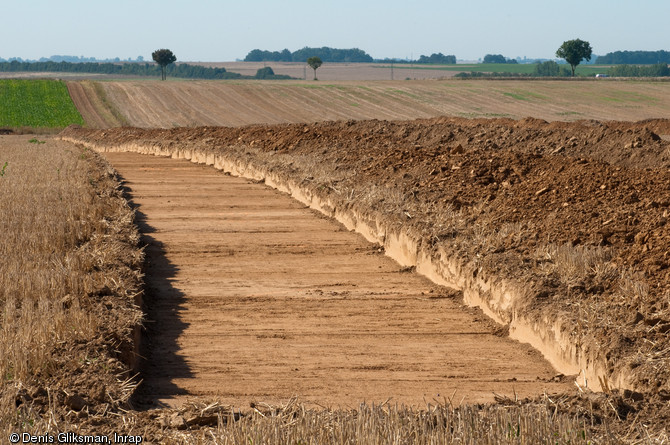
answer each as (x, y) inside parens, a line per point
(160, 362)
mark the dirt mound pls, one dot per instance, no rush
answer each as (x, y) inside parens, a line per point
(637, 145)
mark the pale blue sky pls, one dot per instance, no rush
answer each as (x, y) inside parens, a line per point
(208, 30)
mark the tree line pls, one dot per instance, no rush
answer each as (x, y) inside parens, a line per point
(75, 59)
(182, 70)
(634, 57)
(655, 70)
(497, 58)
(438, 58)
(326, 54)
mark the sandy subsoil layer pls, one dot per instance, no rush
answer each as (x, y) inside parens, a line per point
(253, 297)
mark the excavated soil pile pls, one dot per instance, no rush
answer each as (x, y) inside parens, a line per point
(575, 212)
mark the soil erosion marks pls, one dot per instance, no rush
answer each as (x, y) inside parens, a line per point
(253, 296)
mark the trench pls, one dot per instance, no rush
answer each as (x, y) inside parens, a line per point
(254, 296)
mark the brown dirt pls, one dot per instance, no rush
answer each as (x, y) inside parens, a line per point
(234, 103)
(252, 297)
(83, 100)
(93, 108)
(519, 188)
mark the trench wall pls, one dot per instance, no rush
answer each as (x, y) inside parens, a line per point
(497, 297)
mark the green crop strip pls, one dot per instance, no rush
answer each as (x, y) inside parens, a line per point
(628, 96)
(37, 104)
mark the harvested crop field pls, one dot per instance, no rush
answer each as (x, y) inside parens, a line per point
(69, 283)
(234, 103)
(556, 230)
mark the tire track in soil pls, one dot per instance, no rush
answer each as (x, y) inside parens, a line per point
(253, 297)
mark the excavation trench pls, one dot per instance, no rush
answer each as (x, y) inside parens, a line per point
(253, 296)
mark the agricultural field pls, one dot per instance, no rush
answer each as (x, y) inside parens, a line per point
(151, 104)
(555, 230)
(69, 275)
(515, 68)
(384, 71)
(39, 104)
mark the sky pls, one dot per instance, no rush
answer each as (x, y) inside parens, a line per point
(221, 31)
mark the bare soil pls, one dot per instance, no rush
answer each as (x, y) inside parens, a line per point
(253, 297)
(519, 187)
(84, 102)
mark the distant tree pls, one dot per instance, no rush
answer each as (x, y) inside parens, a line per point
(264, 73)
(315, 63)
(163, 57)
(497, 58)
(574, 51)
(437, 58)
(494, 58)
(285, 55)
(326, 54)
(547, 69)
(656, 70)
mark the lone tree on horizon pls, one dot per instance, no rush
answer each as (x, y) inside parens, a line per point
(315, 63)
(574, 51)
(163, 57)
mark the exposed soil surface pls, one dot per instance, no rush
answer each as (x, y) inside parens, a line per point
(233, 103)
(97, 113)
(85, 106)
(253, 297)
(576, 211)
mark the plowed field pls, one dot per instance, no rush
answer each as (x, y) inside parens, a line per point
(230, 103)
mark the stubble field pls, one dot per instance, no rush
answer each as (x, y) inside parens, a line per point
(233, 103)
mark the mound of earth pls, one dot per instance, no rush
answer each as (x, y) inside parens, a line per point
(577, 212)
